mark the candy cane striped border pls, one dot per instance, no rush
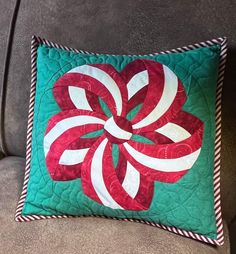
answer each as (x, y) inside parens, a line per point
(36, 41)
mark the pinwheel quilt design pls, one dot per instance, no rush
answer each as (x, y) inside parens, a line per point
(119, 132)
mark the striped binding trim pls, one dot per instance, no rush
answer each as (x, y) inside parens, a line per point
(36, 41)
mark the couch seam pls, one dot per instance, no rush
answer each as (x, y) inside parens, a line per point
(6, 64)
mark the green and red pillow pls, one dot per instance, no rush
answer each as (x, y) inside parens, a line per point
(128, 137)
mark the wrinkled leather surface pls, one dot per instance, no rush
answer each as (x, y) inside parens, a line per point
(81, 235)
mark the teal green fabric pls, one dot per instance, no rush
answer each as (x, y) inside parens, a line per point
(187, 204)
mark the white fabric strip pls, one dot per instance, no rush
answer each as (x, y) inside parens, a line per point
(174, 132)
(97, 177)
(131, 181)
(137, 82)
(167, 98)
(164, 165)
(66, 124)
(105, 79)
(78, 97)
(73, 157)
(111, 127)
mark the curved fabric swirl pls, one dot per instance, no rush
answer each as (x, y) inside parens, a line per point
(121, 131)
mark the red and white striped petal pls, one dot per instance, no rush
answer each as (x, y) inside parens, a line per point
(119, 88)
(101, 183)
(102, 80)
(164, 98)
(180, 128)
(136, 77)
(69, 96)
(135, 184)
(63, 146)
(154, 92)
(167, 162)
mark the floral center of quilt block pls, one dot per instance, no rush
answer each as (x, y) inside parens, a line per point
(118, 129)
(137, 111)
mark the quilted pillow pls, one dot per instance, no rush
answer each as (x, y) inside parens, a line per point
(132, 137)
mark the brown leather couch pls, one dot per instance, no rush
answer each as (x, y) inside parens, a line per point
(107, 26)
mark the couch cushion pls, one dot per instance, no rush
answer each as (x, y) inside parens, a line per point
(81, 235)
(232, 230)
(5, 19)
(109, 27)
